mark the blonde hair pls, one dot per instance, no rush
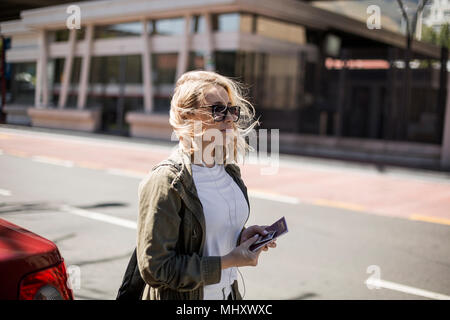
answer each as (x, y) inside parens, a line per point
(189, 96)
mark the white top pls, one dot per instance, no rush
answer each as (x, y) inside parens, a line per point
(226, 212)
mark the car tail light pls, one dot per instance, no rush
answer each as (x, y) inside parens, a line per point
(48, 284)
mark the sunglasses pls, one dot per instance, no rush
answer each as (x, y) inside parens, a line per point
(219, 112)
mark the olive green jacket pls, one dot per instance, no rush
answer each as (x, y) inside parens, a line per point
(171, 232)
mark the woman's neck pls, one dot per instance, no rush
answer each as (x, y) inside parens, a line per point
(205, 163)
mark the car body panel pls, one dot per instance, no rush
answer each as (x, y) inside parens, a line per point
(22, 252)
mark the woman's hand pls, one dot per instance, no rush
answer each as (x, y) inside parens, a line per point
(258, 230)
(241, 256)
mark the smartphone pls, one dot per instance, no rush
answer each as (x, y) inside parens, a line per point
(275, 230)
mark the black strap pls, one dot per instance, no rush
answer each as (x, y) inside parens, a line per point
(132, 284)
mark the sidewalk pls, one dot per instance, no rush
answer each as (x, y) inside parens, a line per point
(390, 191)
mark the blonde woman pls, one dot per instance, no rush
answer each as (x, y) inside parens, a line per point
(193, 206)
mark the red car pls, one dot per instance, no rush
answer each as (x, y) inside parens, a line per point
(31, 267)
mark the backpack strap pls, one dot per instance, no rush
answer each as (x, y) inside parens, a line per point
(166, 162)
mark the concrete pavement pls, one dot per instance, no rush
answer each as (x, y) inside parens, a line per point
(329, 252)
(406, 193)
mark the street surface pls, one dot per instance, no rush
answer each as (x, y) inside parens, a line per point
(348, 223)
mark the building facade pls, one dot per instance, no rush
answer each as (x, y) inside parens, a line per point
(329, 83)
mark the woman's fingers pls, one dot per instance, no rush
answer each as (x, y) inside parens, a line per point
(271, 244)
(262, 230)
(250, 241)
(258, 229)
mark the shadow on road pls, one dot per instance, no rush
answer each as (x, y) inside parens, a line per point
(305, 296)
(46, 206)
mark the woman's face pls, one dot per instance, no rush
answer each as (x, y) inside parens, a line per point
(217, 95)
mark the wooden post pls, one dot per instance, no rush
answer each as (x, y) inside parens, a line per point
(67, 69)
(147, 68)
(41, 93)
(341, 94)
(445, 151)
(210, 64)
(85, 68)
(183, 54)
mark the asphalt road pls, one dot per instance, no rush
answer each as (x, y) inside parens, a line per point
(329, 252)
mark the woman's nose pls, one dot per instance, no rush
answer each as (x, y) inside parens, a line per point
(229, 117)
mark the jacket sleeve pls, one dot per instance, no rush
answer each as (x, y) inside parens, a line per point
(158, 231)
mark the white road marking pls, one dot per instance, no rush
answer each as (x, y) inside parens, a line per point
(126, 173)
(101, 141)
(4, 192)
(407, 289)
(48, 160)
(99, 216)
(272, 196)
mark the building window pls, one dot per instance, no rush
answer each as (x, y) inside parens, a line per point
(56, 67)
(167, 27)
(233, 22)
(227, 22)
(23, 83)
(63, 35)
(196, 60)
(198, 24)
(280, 30)
(129, 29)
(164, 73)
(116, 87)
(164, 68)
(110, 69)
(225, 63)
(76, 71)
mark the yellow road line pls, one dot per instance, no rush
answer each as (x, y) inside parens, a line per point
(257, 192)
(16, 153)
(419, 217)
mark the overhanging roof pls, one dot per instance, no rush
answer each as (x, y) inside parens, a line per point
(301, 12)
(11, 9)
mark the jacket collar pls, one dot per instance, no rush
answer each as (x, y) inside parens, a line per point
(182, 161)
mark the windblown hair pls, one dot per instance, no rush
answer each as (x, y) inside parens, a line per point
(189, 96)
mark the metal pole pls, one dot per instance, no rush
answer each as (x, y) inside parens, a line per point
(120, 100)
(443, 93)
(3, 81)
